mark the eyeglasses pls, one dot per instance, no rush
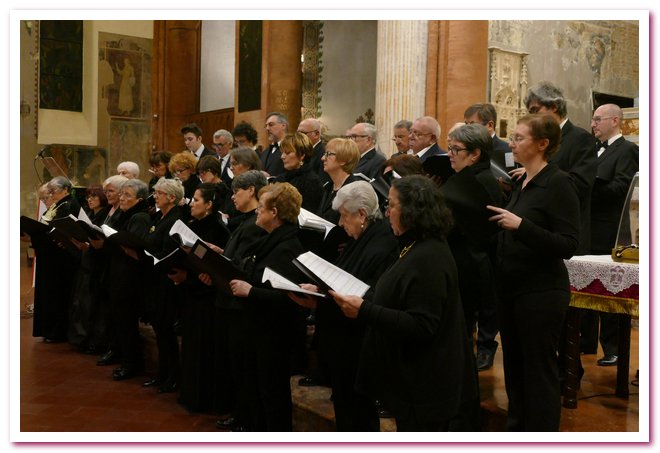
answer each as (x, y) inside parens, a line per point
(388, 205)
(89, 197)
(515, 139)
(219, 145)
(454, 150)
(535, 109)
(126, 195)
(355, 137)
(419, 134)
(178, 172)
(598, 119)
(329, 154)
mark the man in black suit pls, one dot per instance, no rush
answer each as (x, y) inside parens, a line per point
(277, 125)
(617, 162)
(401, 137)
(371, 160)
(312, 129)
(487, 115)
(222, 144)
(423, 138)
(192, 137)
(576, 155)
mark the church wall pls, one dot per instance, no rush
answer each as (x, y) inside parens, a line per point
(578, 56)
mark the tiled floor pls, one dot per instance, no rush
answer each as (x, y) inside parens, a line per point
(63, 390)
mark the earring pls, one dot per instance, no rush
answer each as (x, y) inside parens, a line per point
(362, 226)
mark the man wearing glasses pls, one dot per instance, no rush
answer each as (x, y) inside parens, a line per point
(576, 155)
(222, 144)
(616, 163)
(423, 138)
(371, 160)
(312, 129)
(192, 137)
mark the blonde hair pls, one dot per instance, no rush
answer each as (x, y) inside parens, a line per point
(346, 151)
(184, 160)
(285, 198)
(299, 144)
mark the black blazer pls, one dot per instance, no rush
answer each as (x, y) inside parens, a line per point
(532, 258)
(271, 160)
(434, 150)
(316, 162)
(500, 150)
(206, 152)
(416, 356)
(577, 157)
(370, 164)
(615, 170)
(308, 184)
(225, 172)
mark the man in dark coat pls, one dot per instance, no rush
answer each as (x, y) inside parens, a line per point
(277, 125)
(192, 137)
(312, 129)
(371, 160)
(423, 138)
(617, 162)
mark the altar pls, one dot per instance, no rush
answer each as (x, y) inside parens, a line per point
(599, 283)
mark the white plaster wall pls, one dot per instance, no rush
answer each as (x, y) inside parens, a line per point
(217, 65)
(349, 72)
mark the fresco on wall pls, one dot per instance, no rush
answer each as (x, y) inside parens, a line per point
(60, 65)
(129, 140)
(249, 65)
(124, 81)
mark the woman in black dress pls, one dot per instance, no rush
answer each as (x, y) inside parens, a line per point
(415, 356)
(270, 314)
(297, 152)
(198, 313)
(183, 167)
(540, 228)
(373, 249)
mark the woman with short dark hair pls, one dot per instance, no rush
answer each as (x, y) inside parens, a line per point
(540, 227)
(297, 152)
(415, 356)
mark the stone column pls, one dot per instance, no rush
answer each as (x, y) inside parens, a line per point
(400, 76)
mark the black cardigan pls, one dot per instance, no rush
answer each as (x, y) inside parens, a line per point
(415, 355)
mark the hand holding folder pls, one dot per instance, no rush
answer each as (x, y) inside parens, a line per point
(327, 276)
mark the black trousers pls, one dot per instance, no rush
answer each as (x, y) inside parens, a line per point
(530, 326)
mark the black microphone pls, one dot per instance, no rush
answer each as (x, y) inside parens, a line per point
(40, 154)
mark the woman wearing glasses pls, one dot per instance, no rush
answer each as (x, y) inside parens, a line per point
(415, 355)
(270, 314)
(473, 238)
(183, 167)
(540, 228)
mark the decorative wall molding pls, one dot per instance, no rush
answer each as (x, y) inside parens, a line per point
(312, 76)
(507, 87)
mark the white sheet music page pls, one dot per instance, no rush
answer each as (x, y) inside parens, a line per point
(82, 215)
(107, 230)
(188, 237)
(279, 282)
(307, 219)
(339, 280)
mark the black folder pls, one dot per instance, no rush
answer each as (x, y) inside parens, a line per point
(34, 228)
(176, 259)
(439, 166)
(203, 259)
(70, 229)
(130, 240)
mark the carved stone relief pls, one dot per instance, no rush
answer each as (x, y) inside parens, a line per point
(507, 88)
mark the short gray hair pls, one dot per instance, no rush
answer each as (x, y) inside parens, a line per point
(115, 181)
(371, 131)
(403, 124)
(432, 124)
(60, 182)
(131, 167)
(548, 95)
(358, 195)
(170, 187)
(251, 178)
(474, 136)
(140, 187)
(224, 133)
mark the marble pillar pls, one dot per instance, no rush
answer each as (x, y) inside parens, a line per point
(400, 76)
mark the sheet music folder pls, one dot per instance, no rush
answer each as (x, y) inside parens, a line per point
(327, 276)
(203, 259)
(33, 227)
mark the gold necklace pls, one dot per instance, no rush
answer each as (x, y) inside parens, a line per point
(405, 249)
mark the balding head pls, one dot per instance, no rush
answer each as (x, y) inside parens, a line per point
(606, 121)
(424, 132)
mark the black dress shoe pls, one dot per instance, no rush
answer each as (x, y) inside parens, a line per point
(152, 382)
(168, 387)
(124, 373)
(107, 359)
(307, 382)
(484, 360)
(227, 423)
(608, 360)
(53, 340)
